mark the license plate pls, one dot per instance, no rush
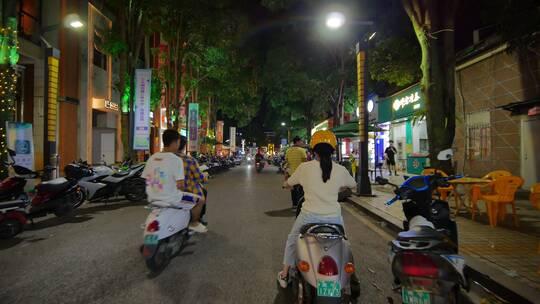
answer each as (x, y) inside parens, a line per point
(329, 289)
(415, 296)
(151, 239)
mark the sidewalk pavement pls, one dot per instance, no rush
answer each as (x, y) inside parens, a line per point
(509, 257)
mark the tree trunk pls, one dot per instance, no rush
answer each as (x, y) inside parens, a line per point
(433, 23)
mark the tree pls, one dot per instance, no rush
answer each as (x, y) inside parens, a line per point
(433, 23)
(124, 41)
(395, 60)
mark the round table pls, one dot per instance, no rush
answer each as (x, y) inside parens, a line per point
(467, 182)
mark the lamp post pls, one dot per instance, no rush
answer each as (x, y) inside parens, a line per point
(334, 21)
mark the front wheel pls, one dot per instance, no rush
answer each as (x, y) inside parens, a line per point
(159, 260)
(135, 189)
(78, 198)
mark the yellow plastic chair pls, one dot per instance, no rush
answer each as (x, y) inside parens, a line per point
(504, 193)
(444, 192)
(534, 197)
(476, 190)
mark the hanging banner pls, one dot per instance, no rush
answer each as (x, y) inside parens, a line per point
(20, 140)
(219, 131)
(141, 134)
(193, 127)
(232, 139)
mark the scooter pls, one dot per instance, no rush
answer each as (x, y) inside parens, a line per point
(166, 231)
(101, 182)
(259, 165)
(12, 217)
(325, 270)
(425, 261)
(59, 196)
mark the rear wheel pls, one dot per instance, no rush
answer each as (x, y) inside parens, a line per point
(160, 259)
(10, 228)
(303, 292)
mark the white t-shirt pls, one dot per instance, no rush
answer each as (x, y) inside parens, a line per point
(162, 171)
(320, 197)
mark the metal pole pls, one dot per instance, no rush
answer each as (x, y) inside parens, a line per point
(364, 184)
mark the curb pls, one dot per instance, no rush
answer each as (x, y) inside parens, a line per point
(479, 273)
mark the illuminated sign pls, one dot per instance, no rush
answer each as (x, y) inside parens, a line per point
(370, 106)
(52, 101)
(400, 103)
(112, 105)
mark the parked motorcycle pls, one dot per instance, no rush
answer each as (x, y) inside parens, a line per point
(12, 217)
(101, 182)
(166, 231)
(325, 270)
(425, 261)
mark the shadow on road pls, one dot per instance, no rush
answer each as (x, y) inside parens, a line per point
(287, 212)
(283, 296)
(8, 243)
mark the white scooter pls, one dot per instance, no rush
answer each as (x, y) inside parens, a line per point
(166, 231)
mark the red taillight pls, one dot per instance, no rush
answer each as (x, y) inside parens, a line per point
(328, 266)
(419, 265)
(153, 226)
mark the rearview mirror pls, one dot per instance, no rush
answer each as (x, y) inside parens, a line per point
(445, 154)
(381, 180)
(11, 153)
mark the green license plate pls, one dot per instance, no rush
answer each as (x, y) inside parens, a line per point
(328, 289)
(415, 296)
(151, 239)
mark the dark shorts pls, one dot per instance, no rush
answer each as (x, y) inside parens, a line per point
(391, 161)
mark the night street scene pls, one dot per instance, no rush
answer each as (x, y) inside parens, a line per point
(270, 151)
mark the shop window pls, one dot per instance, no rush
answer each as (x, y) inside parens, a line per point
(479, 136)
(100, 59)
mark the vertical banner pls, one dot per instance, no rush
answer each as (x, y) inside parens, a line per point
(232, 139)
(219, 136)
(141, 134)
(193, 127)
(20, 140)
(219, 131)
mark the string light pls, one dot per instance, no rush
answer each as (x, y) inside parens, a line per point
(9, 56)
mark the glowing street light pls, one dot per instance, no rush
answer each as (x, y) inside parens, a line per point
(335, 20)
(73, 21)
(76, 24)
(283, 124)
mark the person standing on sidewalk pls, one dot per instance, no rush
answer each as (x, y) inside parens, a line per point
(390, 153)
(294, 156)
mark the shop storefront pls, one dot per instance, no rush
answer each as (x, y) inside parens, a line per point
(400, 115)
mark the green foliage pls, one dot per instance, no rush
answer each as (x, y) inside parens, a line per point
(516, 21)
(155, 92)
(395, 60)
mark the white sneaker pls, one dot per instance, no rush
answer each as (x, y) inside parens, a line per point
(200, 228)
(283, 282)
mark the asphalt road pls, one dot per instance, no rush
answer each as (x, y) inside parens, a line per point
(94, 256)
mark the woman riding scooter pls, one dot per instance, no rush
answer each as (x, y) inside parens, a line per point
(321, 179)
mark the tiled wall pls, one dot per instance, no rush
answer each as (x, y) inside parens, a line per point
(498, 80)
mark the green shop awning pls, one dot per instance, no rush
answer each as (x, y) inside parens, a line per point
(352, 126)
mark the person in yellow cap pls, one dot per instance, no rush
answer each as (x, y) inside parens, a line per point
(321, 179)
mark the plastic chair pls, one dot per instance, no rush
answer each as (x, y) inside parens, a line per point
(504, 192)
(444, 192)
(476, 190)
(534, 197)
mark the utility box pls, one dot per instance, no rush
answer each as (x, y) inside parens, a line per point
(417, 163)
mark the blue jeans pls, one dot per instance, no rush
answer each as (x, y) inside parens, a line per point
(289, 258)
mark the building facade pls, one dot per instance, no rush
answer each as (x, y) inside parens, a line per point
(497, 112)
(65, 87)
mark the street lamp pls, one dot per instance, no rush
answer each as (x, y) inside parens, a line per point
(283, 124)
(335, 20)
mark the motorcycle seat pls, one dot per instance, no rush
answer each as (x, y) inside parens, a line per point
(420, 232)
(55, 185)
(323, 228)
